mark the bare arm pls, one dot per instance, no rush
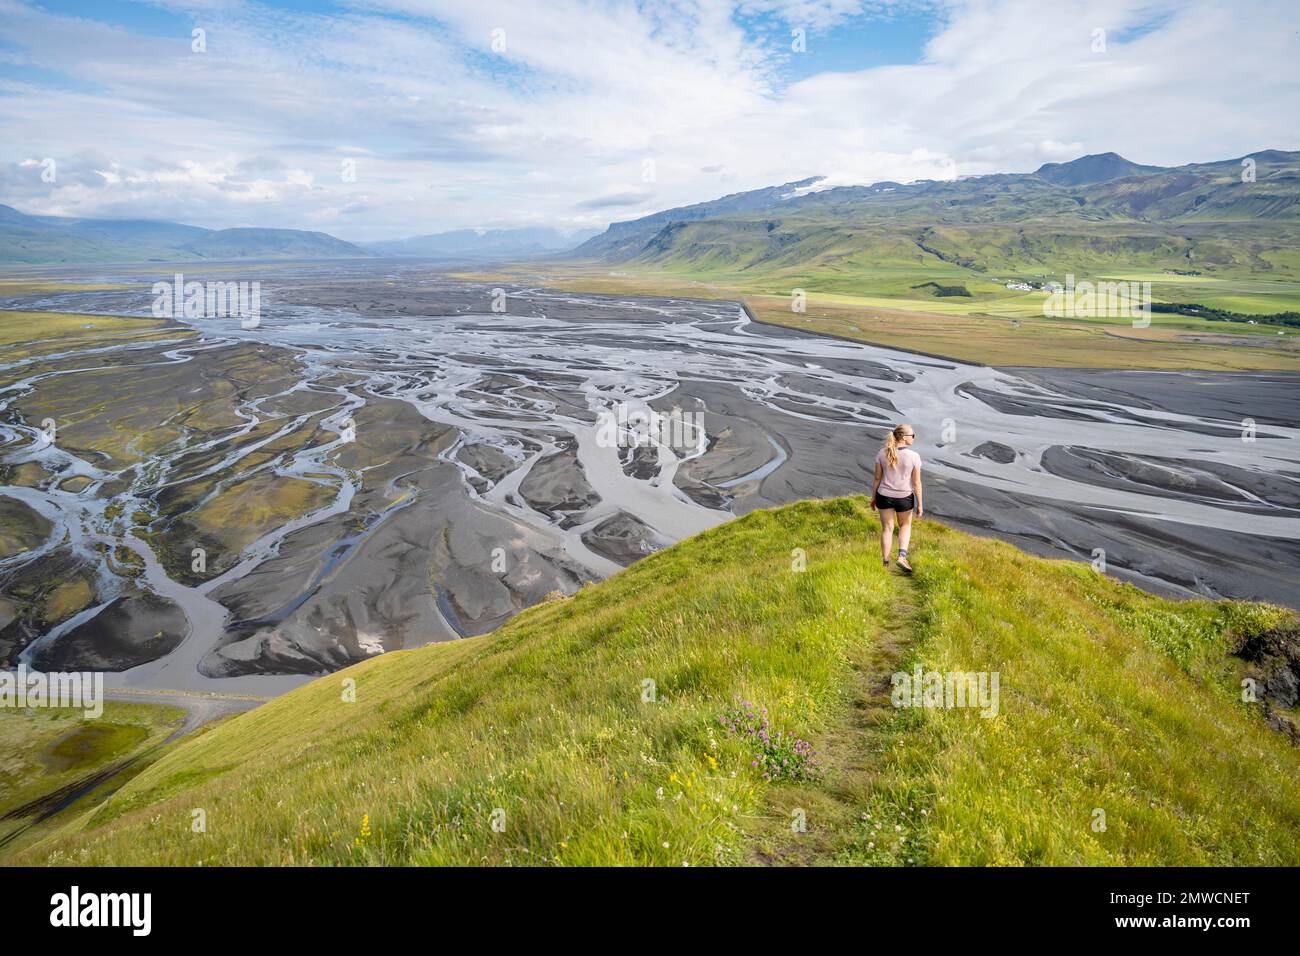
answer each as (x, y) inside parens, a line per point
(916, 487)
(880, 474)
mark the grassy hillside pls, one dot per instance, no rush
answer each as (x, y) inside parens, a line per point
(1111, 700)
(798, 248)
(1097, 214)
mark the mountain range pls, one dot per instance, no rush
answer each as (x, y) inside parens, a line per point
(482, 244)
(51, 239)
(1238, 214)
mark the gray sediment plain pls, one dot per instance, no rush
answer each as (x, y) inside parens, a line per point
(385, 461)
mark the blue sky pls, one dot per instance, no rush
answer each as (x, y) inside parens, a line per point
(387, 118)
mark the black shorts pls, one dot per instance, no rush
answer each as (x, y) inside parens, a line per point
(896, 504)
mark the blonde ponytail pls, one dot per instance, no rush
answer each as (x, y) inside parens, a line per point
(891, 443)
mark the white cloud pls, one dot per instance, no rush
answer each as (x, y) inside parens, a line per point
(446, 133)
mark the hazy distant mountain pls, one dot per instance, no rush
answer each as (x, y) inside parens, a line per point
(482, 244)
(37, 239)
(271, 244)
(1095, 211)
(31, 239)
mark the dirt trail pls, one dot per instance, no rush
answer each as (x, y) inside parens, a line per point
(850, 751)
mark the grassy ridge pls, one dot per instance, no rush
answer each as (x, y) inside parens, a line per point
(1111, 700)
(1115, 701)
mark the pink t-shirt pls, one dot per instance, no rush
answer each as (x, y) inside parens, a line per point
(896, 481)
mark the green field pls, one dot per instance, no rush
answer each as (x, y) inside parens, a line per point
(1250, 296)
(882, 286)
(995, 326)
(588, 729)
(46, 751)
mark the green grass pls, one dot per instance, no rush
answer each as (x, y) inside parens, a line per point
(1253, 296)
(1111, 700)
(62, 330)
(47, 749)
(908, 289)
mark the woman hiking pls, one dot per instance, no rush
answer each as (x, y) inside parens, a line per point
(897, 492)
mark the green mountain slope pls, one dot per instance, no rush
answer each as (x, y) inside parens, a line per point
(622, 240)
(588, 730)
(1096, 213)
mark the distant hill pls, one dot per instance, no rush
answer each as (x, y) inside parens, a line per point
(271, 244)
(127, 230)
(50, 239)
(1100, 168)
(482, 244)
(1097, 211)
(33, 239)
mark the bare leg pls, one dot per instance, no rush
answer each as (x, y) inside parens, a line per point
(905, 528)
(886, 533)
(904, 538)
